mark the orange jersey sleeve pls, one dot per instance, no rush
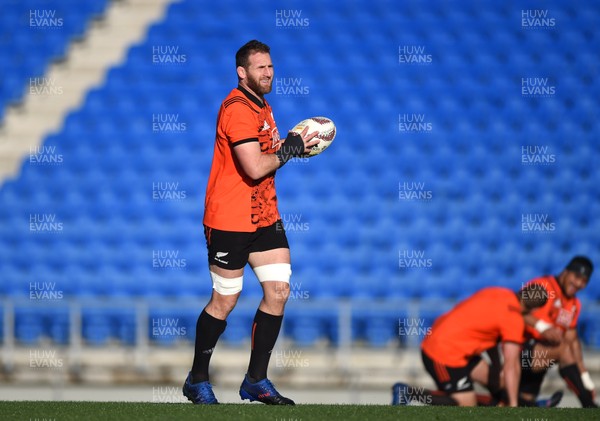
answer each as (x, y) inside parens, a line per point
(561, 311)
(238, 121)
(478, 323)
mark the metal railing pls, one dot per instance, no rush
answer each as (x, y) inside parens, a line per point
(412, 318)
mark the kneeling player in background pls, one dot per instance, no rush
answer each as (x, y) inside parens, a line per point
(551, 334)
(451, 353)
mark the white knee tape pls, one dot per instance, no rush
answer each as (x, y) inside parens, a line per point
(226, 286)
(274, 272)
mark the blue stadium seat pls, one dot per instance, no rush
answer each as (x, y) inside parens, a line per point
(381, 327)
(57, 325)
(588, 327)
(169, 325)
(96, 332)
(308, 325)
(305, 331)
(29, 325)
(239, 326)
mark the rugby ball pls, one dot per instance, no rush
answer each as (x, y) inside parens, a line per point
(324, 126)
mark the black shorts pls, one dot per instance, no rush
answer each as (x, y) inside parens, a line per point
(450, 379)
(230, 249)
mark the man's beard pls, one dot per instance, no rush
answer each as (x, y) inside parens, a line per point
(257, 88)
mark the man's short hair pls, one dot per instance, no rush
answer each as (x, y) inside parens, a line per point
(249, 48)
(533, 296)
(582, 266)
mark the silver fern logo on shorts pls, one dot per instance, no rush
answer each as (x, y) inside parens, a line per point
(219, 257)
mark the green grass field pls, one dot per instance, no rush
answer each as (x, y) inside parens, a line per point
(64, 411)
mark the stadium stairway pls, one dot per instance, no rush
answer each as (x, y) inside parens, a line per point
(101, 43)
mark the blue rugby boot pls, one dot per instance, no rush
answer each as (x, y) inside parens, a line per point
(399, 394)
(199, 393)
(263, 391)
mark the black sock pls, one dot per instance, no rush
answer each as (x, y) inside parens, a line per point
(572, 376)
(524, 402)
(497, 394)
(208, 330)
(531, 381)
(429, 397)
(265, 331)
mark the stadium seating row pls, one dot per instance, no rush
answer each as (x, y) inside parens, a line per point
(169, 326)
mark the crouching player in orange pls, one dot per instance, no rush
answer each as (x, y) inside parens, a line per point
(452, 352)
(551, 334)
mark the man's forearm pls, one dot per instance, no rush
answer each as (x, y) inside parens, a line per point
(512, 374)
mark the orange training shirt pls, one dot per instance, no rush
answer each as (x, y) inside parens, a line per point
(478, 323)
(235, 202)
(559, 310)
